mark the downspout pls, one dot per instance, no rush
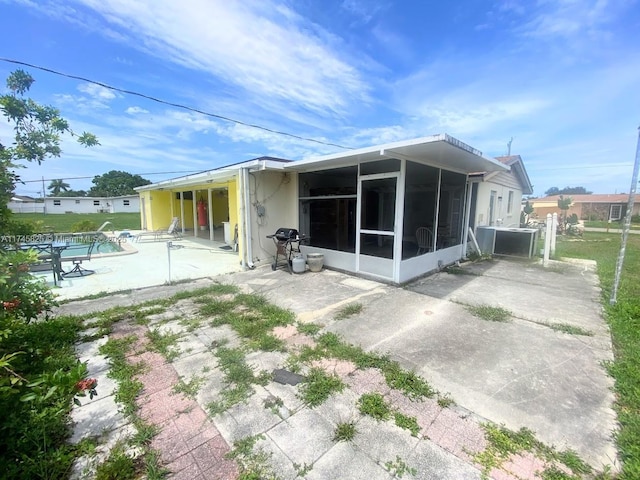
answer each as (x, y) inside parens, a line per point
(467, 217)
(246, 204)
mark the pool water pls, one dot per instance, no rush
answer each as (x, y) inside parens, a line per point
(78, 250)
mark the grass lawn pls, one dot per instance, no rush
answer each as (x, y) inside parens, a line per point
(624, 321)
(612, 225)
(62, 223)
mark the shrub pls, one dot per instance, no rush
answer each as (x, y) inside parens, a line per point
(84, 226)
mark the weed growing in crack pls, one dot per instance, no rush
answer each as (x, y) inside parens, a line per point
(502, 443)
(348, 311)
(329, 345)
(253, 318)
(374, 405)
(188, 389)
(165, 344)
(409, 383)
(489, 313)
(274, 404)
(570, 329)
(318, 386)
(239, 377)
(302, 470)
(398, 468)
(407, 422)
(253, 463)
(445, 401)
(118, 465)
(310, 329)
(345, 432)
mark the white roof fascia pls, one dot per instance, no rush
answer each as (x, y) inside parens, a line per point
(211, 176)
(439, 150)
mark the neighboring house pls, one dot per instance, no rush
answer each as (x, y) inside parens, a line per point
(497, 196)
(361, 208)
(125, 203)
(603, 207)
(25, 204)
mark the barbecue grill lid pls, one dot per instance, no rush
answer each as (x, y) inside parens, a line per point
(286, 233)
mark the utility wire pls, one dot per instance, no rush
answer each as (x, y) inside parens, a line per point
(93, 176)
(177, 105)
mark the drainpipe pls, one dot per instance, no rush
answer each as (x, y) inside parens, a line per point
(246, 204)
(467, 217)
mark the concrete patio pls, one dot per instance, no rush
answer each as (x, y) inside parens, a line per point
(520, 373)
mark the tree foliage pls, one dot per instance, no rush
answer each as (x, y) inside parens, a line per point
(37, 131)
(567, 191)
(115, 183)
(56, 187)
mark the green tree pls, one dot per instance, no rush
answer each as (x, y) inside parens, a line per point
(564, 204)
(525, 214)
(75, 193)
(58, 186)
(115, 183)
(567, 191)
(37, 130)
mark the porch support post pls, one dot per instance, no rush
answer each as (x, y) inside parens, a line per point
(194, 207)
(210, 205)
(182, 211)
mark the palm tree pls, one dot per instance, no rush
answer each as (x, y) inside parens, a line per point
(57, 186)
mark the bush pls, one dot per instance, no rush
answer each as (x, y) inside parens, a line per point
(84, 226)
(635, 218)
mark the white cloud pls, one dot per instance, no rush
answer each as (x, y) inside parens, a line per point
(97, 91)
(136, 110)
(267, 51)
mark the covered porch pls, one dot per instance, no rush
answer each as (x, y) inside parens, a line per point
(392, 212)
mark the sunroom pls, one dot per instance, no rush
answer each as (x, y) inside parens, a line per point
(392, 212)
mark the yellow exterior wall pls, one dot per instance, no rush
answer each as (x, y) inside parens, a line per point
(161, 205)
(159, 215)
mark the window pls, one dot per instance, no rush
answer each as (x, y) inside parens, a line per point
(328, 208)
(56, 203)
(125, 203)
(96, 202)
(510, 203)
(77, 202)
(616, 212)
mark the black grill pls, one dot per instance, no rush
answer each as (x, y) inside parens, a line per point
(287, 241)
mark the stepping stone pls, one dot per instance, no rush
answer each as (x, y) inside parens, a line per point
(286, 377)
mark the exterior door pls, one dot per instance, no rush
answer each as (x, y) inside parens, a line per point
(376, 242)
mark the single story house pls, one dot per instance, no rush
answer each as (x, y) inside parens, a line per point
(124, 203)
(603, 207)
(392, 212)
(496, 196)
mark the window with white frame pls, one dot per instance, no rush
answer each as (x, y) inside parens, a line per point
(96, 202)
(616, 212)
(125, 203)
(510, 202)
(56, 203)
(77, 202)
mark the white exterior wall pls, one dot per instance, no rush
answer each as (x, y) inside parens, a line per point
(93, 204)
(502, 184)
(277, 192)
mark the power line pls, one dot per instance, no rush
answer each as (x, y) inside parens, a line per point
(177, 105)
(93, 176)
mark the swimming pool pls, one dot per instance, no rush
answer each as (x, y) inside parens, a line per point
(104, 245)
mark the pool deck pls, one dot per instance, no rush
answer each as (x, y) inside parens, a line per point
(146, 264)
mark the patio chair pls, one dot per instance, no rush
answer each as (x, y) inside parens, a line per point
(173, 230)
(84, 251)
(424, 236)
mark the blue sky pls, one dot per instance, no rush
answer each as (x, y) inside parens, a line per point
(561, 77)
